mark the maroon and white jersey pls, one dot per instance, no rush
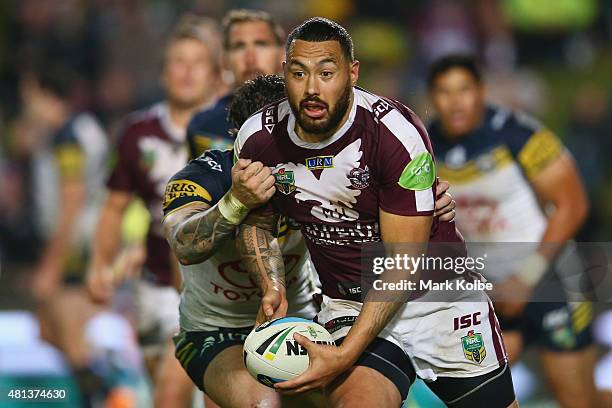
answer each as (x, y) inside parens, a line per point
(150, 150)
(335, 188)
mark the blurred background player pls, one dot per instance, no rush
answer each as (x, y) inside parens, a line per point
(150, 150)
(515, 182)
(253, 44)
(69, 171)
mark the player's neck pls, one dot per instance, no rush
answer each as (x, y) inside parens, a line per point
(319, 137)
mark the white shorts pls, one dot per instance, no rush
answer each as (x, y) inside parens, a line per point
(426, 332)
(158, 316)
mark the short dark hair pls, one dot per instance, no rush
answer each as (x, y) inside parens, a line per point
(448, 62)
(319, 29)
(244, 16)
(254, 95)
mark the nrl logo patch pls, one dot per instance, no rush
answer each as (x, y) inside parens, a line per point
(320, 162)
(473, 347)
(285, 181)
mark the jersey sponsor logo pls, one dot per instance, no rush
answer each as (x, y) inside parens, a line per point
(184, 188)
(360, 178)
(285, 181)
(268, 119)
(322, 234)
(474, 347)
(320, 162)
(380, 108)
(336, 324)
(239, 286)
(212, 163)
(419, 174)
(466, 321)
(332, 191)
(480, 215)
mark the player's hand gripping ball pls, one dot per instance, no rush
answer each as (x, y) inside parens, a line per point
(271, 355)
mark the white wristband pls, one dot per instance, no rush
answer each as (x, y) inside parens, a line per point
(532, 269)
(232, 209)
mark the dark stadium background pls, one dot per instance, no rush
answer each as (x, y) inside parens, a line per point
(552, 58)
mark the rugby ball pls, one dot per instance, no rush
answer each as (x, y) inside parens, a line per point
(271, 355)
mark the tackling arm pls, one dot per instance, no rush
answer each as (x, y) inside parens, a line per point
(195, 232)
(262, 257)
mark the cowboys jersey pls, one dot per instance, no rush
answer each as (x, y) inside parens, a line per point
(219, 291)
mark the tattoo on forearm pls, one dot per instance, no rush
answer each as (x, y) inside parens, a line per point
(198, 237)
(261, 255)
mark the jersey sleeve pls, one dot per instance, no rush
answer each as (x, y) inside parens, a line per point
(533, 145)
(69, 154)
(248, 145)
(406, 172)
(123, 161)
(205, 179)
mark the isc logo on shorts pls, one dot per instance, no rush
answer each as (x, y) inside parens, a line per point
(466, 321)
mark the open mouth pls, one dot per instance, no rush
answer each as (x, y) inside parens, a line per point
(314, 110)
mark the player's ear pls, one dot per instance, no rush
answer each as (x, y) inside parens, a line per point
(354, 72)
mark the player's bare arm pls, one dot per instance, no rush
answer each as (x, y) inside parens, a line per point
(326, 362)
(196, 231)
(558, 184)
(100, 277)
(262, 257)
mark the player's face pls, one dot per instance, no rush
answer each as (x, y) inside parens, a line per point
(253, 51)
(319, 80)
(458, 99)
(189, 73)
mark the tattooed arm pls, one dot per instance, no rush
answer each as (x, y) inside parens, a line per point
(262, 257)
(196, 230)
